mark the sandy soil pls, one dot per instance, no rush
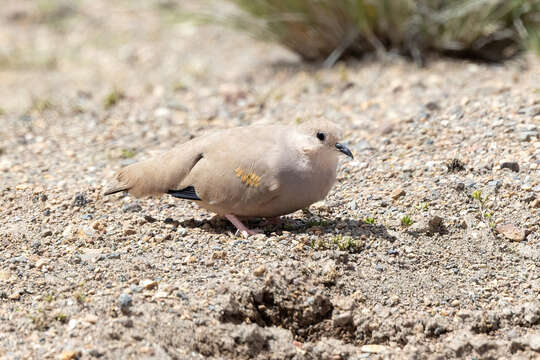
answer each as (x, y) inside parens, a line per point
(427, 247)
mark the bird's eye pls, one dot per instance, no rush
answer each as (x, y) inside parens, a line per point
(321, 136)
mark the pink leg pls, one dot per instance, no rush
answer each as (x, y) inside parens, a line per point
(239, 226)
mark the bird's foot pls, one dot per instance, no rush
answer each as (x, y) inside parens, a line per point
(240, 226)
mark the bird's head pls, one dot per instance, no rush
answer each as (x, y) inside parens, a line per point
(323, 137)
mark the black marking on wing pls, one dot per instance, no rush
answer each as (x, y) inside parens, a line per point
(188, 193)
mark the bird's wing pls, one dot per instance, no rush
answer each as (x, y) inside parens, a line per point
(239, 169)
(222, 167)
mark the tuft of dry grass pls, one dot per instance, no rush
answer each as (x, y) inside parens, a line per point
(327, 30)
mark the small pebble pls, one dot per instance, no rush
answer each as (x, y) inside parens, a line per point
(534, 342)
(495, 184)
(510, 231)
(130, 231)
(148, 284)
(124, 301)
(80, 200)
(132, 207)
(259, 271)
(180, 294)
(149, 219)
(435, 224)
(69, 355)
(397, 193)
(373, 348)
(512, 165)
(343, 320)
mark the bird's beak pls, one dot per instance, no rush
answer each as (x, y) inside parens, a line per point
(344, 150)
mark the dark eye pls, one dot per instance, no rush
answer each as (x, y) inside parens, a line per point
(321, 136)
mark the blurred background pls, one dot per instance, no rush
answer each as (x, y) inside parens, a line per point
(71, 53)
(109, 50)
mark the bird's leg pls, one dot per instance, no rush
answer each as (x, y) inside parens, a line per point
(241, 227)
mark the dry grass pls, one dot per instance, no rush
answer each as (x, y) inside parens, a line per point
(329, 29)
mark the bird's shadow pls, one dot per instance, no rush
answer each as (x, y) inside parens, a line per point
(296, 225)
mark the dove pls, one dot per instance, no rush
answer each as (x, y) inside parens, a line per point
(257, 171)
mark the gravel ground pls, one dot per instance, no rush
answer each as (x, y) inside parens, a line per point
(427, 247)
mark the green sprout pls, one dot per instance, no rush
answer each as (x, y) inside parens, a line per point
(423, 206)
(61, 317)
(485, 214)
(113, 98)
(477, 195)
(369, 220)
(127, 153)
(179, 86)
(406, 221)
(340, 242)
(80, 298)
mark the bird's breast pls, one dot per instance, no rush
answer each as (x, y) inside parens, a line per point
(309, 183)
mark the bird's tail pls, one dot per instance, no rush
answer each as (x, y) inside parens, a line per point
(115, 190)
(126, 179)
(140, 179)
(158, 175)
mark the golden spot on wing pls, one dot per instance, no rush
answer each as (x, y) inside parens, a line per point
(248, 177)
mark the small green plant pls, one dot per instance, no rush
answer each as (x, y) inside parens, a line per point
(477, 195)
(347, 243)
(423, 206)
(61, 317)
(343, 243)
(80, 298)
(113, 98)
(485, 214)
(179, 86)
(128, 153)
(48, 298)
(40, 320)
(41, 105)
(369, 220)
(406, 221)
